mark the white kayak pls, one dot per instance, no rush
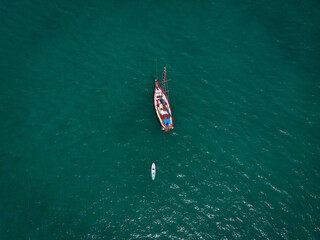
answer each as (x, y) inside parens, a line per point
(153, 171)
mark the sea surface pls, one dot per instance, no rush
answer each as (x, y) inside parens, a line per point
(78, 130)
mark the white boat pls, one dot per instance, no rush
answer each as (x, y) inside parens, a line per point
(153, 171)
(162, 105)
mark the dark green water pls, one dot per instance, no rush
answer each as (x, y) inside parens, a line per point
(78, 132)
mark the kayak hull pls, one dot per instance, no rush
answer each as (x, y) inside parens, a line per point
(153, 171)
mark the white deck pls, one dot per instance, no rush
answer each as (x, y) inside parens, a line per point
(161, 110)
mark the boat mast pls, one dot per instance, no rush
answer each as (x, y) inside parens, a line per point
(163, 81)
(165, 88)
(157, 69)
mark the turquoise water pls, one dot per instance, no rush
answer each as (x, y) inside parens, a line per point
(78, 132)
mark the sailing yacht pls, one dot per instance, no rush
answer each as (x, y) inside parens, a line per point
(161, 103)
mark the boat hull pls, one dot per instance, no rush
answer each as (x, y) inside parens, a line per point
(162, 108)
